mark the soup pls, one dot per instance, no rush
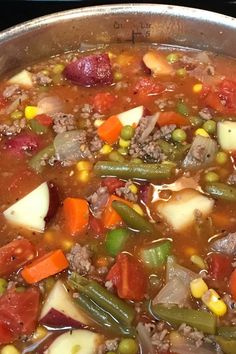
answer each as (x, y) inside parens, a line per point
(117, 197)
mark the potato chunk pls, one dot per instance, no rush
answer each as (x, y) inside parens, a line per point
(157, 63)
(180, 210)
(226, 134)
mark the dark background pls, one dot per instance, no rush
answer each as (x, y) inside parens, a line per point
(13, 12)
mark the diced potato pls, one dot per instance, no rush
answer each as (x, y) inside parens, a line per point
(23, 78)
(226, 134)
(179, 211)
(132, 116)
(157, 63)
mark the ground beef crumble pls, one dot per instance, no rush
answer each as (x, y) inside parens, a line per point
(98, 200)
(63, 122)
(126, 193)
(42, 79)
(110, 345)
(159, 336)
(79, 259)
(15, 128)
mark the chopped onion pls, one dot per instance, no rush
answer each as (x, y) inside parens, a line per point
(203, 57)
(174, 292)
(176, 270)
(14, 105)
(50, 105)
(144, 339)
(152, 120)
(201, 153)
(67, 146)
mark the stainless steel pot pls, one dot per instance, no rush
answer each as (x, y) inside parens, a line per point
(64, 31)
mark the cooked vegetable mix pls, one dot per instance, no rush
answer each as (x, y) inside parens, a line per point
(117, 197)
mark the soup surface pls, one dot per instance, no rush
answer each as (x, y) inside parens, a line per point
(117, 203)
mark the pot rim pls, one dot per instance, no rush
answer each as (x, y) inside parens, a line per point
(114, 9)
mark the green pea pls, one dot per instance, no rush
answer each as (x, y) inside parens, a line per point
(211, 177)
(116, 156)
(181, 72)
(210, 126)
(127, 132)
(16, 114)
(123, 151)
(136, 160)
(3, 285)
(182, 109)
(196, 121)
(221, 157)
(128, 346)
(179, 135)
(172, 58)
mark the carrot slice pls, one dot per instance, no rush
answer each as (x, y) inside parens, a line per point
(76, 213)
(166, 118)
(110, 130)
(45, 266)
(232, 284)
(110, 216)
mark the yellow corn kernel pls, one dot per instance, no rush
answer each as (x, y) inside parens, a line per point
(31, 112)
(39, 333)
(198, 261)
(9, 349)
(202, 132)
(198, 287)
(124, 143)
(214, 302)
(58, 68)
(138, 209)
(197, 88)
(84, 166)
(84, 176)
(106, 149)
(133, 188)
(98, 122)
(118, 76)
(67, 245)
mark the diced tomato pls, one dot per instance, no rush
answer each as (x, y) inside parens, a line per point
(220, 266)
(14, 255)
(232, 284)
(44, 119)
(103, 102)
(213, 101)
(129, 277)
(112, 183)
(18, 314)
(96, 225)
(147, 86)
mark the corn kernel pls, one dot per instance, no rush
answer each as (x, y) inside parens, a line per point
(213, 301)
(202, 132)
(198, 287)
(133, 188)
(198, 261)
(197, 88)
(9, 349)
(84, 176)
(118, 76)
(67, 245)
(98, 122)
(58, 68)
(124, 143)
(84, 166)
(39, 333)
(106, 149)
(138, 209)
(31, 112)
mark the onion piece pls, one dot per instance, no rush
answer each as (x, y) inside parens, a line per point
(152, 120)
(144, 339)
(50, 105)
(174, 292)
(201, 153)
(14, 105)
(176, 270)
(68, 146)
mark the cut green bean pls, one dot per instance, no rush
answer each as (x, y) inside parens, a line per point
(156, 255)
(37, 127)
(227, 331)
(201, 320)
(118, 308)
(102, 317)
(138, 171)
(131, 217)
(221, 191)
(115, 241)
(37, 162)
(227, 345)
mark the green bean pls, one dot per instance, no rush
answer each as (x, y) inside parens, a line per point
(112, 304)
(227, 345)
(103, 318)
(227, 331)
(131, 217)
(173, 152)
(36, 163)
(3, 285)
(221, 191)
(182, 109)
(138, 171)
(201, 320)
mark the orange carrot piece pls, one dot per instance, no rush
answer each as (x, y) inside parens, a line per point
(76, 213)
(110, 130)
(110, 216)
(45, 266)
(166, 118)
(232, 284)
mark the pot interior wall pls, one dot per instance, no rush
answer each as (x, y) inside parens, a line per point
(53, 34)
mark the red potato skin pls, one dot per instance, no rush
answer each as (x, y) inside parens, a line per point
(92, 70)
(57, 319)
